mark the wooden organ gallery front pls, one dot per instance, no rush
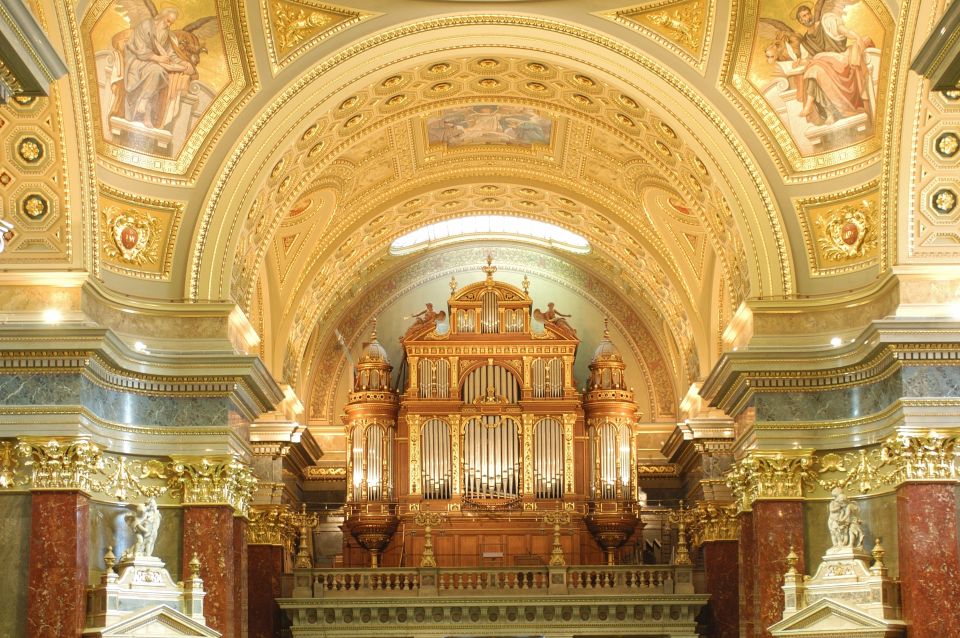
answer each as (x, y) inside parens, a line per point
(492, 438)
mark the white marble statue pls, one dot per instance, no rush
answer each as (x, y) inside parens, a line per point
(846, 528)
(144, 523)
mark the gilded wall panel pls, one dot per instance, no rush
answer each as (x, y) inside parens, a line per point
(162, 81)
(33, 181)
(811, 78)
(296, 27)
(841, 231)
(139, 234)
(682, 26)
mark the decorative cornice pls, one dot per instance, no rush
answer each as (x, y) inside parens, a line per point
(271, 525)
(223, 480)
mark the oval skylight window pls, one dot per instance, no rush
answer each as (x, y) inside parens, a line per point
(490, 227)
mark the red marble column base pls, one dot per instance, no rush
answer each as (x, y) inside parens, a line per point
(265, 568)
(747, 576)
(929, 559)
(59, 542)
(777, 526)
(720, 560)
(208, 532)
(240, 571)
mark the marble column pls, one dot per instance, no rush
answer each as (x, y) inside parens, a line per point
(208, 532)
(59, 541)
(265, 568)
(777, 526)
(747, 589)
(240, 566)
(720, 564)
(929, 558)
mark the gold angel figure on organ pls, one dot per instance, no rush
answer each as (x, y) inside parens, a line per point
(426, 317)
(555, 318)
(491, 396)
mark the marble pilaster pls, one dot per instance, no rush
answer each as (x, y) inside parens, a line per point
(777, 526)
(720, 566)
(264, 568)
(208, 532)
(747, 590)
(57, 589)
(240, 567)
(929, 558)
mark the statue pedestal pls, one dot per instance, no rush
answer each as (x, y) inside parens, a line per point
(845, 594)
(142, 584)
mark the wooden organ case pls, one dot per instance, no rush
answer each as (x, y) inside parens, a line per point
(488, 439)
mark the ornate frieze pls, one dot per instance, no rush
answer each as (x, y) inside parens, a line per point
(270, 526)
(212, 480)
(121, 475)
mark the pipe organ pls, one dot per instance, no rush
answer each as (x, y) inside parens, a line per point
(490, 430)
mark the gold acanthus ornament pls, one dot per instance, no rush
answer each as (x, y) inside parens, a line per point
(9, 464)
(848, 233)
(213, 480)
(271, 525)
(931, 456)
(293, 26)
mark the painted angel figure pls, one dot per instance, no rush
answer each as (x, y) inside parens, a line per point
(834, 79)
(555, 318)
(155, 63)
(427, 316)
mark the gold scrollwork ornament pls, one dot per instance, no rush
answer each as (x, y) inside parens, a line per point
(133, 237)
(848, 232)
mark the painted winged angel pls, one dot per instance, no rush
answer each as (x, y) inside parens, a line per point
(154, 62)
(833, 82)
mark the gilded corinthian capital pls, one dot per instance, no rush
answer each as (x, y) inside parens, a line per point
(271, 525)
(714, 522)
(213, 480)
(770, 474)
(922, 457)
(60, 463)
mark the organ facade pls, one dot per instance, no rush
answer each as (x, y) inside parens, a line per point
(487, 431)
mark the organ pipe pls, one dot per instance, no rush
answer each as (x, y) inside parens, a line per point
(492, 466)
(436, 460)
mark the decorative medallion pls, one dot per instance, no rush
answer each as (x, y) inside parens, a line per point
(947, 145)
(944, 200)
(841, 230)
(138, 234)
(30, 150)
(682, 26)
(297, 26)
(809, 76)
(135, 236)
(34, 206)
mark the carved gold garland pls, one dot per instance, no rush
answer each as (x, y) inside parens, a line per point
(902, 457)
(67, 463)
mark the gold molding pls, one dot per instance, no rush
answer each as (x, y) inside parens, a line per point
(317, 473)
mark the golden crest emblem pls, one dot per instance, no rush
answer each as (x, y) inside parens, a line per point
(131, 236)
(847, 233)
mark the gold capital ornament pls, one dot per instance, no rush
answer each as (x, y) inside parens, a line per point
(213, 480)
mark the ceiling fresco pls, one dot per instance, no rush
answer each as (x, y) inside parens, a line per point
(271, 150)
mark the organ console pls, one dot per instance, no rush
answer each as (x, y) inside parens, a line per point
(489, 428)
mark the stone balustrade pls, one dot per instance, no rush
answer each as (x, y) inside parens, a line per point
(634, 600)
